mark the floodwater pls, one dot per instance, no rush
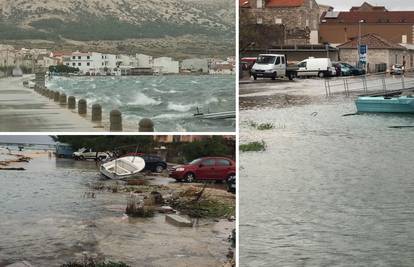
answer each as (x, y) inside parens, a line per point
(170, 101)
(330, 190)
(46, 220)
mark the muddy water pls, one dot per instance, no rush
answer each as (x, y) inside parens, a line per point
(46, 220)
(329, 190)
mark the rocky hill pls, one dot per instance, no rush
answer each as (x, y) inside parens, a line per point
(57, 21)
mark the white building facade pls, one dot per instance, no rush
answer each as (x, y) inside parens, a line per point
(166, 65)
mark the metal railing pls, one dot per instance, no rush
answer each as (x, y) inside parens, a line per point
(368, 84)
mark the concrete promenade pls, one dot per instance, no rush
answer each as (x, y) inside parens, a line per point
(23, 110)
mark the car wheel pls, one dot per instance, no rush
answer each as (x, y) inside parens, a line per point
(190, 177)
(321, 74)
(159, 169)
(255, 77)
(274, 76)
(81, 158)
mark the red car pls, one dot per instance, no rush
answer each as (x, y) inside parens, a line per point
(208, 168)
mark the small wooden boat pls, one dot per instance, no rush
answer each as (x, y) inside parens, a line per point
(122, 168)
(385, 104)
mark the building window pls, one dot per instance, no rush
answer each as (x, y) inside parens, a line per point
(404, 39)
(88, 64)
(73, 57)
(79, 57)
(259, 4)
(73, 64)
(259, 21)
(67, 64)
(88, 57)
(79, 64)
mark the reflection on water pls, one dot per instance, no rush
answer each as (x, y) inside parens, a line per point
(169, 100)
(46, 220)
(329, 190)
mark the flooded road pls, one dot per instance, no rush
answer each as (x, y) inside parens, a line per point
(46, 220)
(329, 190)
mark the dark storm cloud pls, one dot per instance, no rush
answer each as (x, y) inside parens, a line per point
(389, 4)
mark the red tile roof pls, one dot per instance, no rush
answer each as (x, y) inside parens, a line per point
(372, 17)
(285, 3)
(244, 3)
(373, 41)
(275, 3)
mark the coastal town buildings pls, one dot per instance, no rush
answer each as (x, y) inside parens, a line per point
(340, 27)
(166, 65)
(95, 63)
(382, 53)
(199, 65)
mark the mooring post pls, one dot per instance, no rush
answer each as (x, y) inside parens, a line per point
(96, 112)
(115, 119)
(146, 125)
(62, 99)
(82, 108)
(71, 102)
(56, 97)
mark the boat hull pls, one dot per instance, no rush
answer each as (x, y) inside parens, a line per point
(385, 105)
(123, 168)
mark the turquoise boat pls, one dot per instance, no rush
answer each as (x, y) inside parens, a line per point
(385, 104)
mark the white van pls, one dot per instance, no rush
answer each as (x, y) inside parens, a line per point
(321, 67)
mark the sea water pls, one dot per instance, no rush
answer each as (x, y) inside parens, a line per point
(170, 100)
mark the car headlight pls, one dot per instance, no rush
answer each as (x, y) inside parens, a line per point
(180, 169)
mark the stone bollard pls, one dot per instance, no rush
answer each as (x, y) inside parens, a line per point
(146, 125)
(96, 112)
(115, 119)
(82, 109)
(62, 99)
(71, 102)
(56, 97)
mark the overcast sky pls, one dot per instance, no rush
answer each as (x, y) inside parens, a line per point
(389, 4)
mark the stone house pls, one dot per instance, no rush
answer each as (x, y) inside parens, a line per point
(287, 22)
(381, 52)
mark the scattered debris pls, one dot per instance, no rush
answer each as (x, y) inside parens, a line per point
(178, 220)
(253, 147)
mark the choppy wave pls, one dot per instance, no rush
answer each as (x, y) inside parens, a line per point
(180, 107)
(141, 99)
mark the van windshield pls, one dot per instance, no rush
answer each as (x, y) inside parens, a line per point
(266, 59)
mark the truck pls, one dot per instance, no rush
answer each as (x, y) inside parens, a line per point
(273, 66)
(88, 153)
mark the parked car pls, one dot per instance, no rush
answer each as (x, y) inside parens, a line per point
(272, 66)
(152, 163)
(88, 153)
(207, 168)
(349, 70)
(397, 69)
(321, 67)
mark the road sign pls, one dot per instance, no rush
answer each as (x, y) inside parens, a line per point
(363, 53)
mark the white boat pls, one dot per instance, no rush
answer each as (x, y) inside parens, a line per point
(122, 168)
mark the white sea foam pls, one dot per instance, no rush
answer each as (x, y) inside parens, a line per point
(179, 107)
(142, 100)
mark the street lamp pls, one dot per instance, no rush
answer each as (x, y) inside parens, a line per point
(359, 40)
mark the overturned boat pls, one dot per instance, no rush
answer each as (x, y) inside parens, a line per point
(385, 104)
(123, 168)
